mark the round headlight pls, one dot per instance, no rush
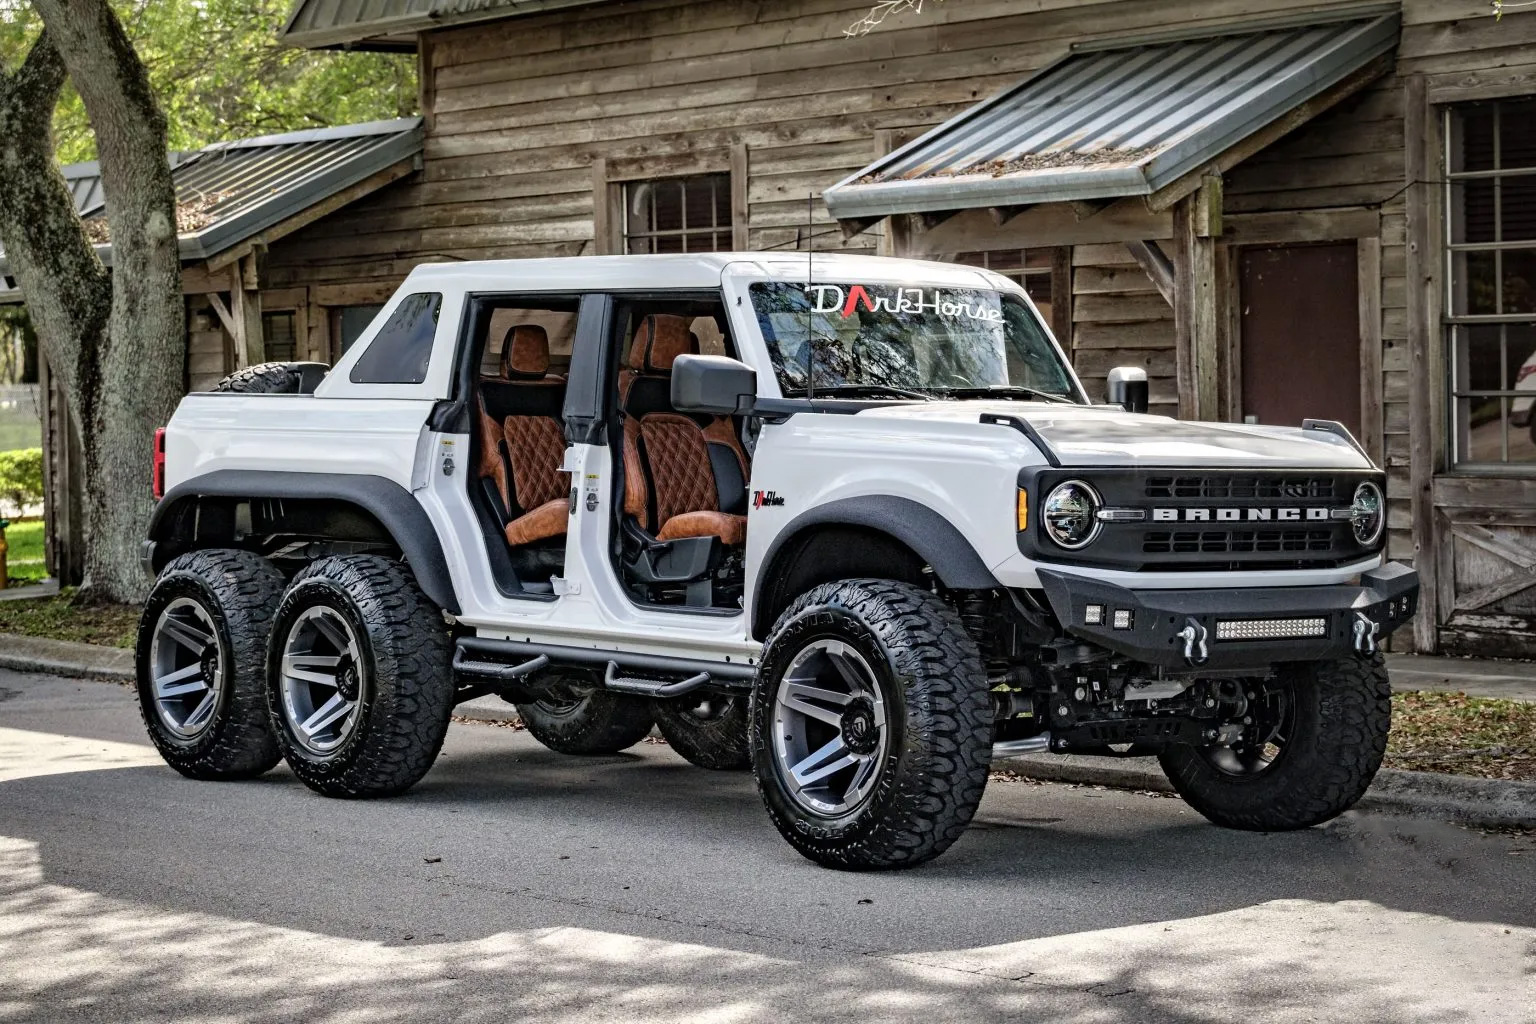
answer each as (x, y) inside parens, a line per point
(1068, 514)
(1368, 514)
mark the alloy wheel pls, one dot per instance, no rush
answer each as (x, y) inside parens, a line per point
(320, 680)
(829, 728)
(186, 667)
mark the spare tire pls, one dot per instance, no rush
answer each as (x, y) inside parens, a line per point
(275, 379)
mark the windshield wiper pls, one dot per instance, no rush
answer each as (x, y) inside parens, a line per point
(863, 391)
(1006, 391)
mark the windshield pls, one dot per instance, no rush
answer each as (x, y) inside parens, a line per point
(931, 340)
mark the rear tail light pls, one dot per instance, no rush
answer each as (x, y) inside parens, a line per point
(157, 477)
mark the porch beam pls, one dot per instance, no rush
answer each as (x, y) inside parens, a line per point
(1157, 266)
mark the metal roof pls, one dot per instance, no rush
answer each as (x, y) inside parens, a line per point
(229, 192)
(393, 24)
(1116, 120)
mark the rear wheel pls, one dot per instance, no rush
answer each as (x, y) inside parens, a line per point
(710, 731)
(199, 658)
(359, 677)
(871, 725)
(1313, 738)
(574, 716)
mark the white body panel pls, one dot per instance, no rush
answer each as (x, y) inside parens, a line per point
(938, 454)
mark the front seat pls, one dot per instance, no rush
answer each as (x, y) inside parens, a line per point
(676, 469)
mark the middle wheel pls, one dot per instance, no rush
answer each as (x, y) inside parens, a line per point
(359, 677)
(710, 731)
(574, 716)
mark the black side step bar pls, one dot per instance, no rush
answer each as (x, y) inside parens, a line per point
(485, 658)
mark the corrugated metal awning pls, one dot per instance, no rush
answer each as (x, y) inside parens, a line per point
(230, 192)
(1118, 120)
(393, 24)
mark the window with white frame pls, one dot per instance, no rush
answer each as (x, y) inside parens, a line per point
(1490, 300)
(690, 214)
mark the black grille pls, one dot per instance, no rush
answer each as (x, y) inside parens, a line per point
(1237, 487)
(1222, 542)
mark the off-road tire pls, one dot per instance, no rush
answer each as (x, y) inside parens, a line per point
(718, 743)
(269, 378)
(406, 687)
(596, 723)
(1342, 712)
(938, 711)
(239, 591)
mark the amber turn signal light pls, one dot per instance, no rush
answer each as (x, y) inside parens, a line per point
(1023, 510)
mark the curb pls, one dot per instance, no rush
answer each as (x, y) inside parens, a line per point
(1482, 803)
(65, 657)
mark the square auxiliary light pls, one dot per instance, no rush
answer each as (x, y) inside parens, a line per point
(1271, 629)
(1122, 618)
(1093, 615)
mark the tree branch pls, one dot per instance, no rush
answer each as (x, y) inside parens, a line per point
(879, 12)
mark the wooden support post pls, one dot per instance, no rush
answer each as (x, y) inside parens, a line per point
(1195, 316)
(1420, 281)
(741, 169)
(245, 312)
(1061, 297)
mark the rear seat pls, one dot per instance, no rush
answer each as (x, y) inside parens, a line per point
(522, 444)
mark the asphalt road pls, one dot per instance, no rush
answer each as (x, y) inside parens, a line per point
(514, 884)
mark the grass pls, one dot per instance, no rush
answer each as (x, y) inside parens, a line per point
(111, 625)
(1451, 732)
(24, 559)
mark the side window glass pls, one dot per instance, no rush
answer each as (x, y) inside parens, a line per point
(402, 350)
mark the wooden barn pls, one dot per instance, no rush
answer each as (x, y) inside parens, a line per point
(1277, 208)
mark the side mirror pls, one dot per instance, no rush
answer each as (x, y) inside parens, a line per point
(713, 385)
(1127, 386)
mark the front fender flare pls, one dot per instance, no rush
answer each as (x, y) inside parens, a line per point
(392, 505)
(931, 536)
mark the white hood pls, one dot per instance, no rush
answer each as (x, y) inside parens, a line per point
(1106, 435)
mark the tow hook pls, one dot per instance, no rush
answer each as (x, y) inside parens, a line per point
(1193, 634)
(1366, 629)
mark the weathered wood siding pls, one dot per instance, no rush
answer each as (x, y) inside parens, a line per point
(1119, 319)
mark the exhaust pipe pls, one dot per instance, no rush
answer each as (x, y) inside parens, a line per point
(1032, 745)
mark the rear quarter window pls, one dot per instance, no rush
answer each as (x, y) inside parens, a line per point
(402, 350)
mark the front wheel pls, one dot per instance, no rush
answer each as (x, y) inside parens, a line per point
(871, 725)
(359, 677)
(1314, 735)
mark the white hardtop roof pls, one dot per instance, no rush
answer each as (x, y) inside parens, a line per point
(693, 271)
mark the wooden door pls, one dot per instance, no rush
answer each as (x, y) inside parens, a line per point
(1300, 334)
(1485, 530)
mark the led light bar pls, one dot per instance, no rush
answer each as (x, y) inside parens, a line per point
(1271, 629)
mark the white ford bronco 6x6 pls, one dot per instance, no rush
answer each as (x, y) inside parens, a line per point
(853, 523)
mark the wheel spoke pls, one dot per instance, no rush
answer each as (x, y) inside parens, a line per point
(847, 667)
(825, 760)
(183, 680)
(186, 634)
(327, 713)
(299, 666)
(800, 697)
(332, 632)
(201, 713)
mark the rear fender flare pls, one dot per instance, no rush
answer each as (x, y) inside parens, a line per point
(392, 505)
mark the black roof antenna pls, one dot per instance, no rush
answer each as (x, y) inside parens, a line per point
(810, 256)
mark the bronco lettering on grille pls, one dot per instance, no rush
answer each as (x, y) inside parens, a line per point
(1234, 515)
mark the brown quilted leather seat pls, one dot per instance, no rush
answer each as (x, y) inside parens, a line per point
(668, 473)
(521, 453)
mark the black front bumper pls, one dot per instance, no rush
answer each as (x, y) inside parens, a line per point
(1181, 629)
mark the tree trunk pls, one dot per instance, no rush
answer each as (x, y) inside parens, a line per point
(118, 341)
